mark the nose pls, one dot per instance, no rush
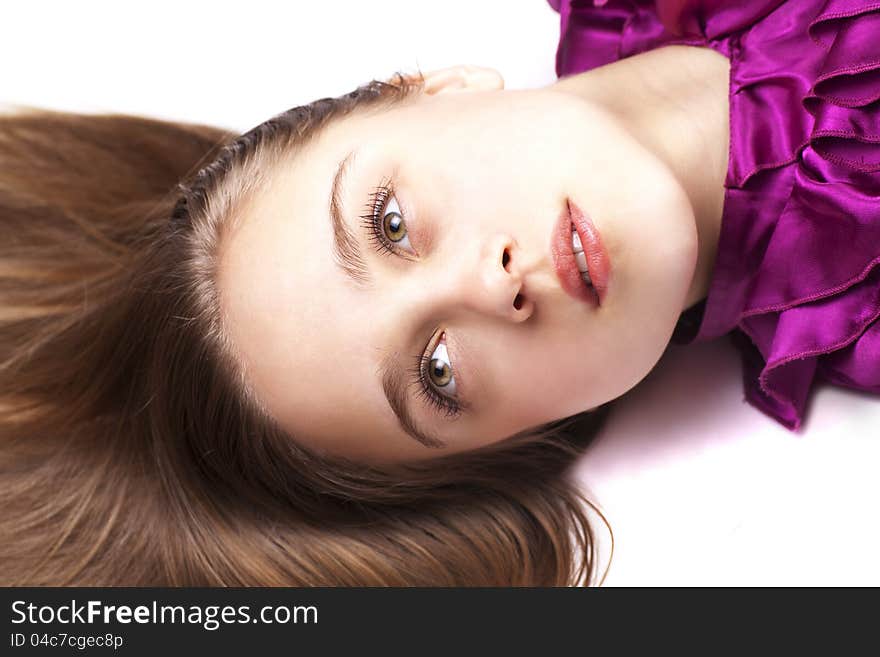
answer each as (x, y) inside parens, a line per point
(491, 280)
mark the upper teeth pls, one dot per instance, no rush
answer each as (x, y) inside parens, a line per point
(579, 256)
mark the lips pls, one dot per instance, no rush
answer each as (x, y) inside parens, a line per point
(594, 251)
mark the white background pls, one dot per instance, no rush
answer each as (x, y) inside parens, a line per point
(235, 64)
(700, 488)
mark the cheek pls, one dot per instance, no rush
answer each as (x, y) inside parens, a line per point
(535, 379)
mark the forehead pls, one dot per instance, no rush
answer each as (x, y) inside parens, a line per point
(308, 341)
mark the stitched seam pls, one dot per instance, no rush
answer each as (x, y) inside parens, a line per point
(837, 159)
(774, 165)
(861, 68)
(735, 48)
(835, 16)
(842, 101)
(818, 352)
(814, 297)
(870, 139)
(762, 384)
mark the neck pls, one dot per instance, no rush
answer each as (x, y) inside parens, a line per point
(674, 100)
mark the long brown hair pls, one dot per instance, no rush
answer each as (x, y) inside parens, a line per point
(132, 451)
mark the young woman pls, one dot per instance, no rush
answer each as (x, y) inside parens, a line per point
(362, 342)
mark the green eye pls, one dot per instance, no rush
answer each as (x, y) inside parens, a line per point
(394, 226)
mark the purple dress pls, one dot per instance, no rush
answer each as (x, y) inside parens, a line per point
(796, 281)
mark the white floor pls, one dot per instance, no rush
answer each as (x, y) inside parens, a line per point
(702, 489)
(699, 487)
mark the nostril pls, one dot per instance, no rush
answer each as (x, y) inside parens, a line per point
(518, 301)
(505, 258)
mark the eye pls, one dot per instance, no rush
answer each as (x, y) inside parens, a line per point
(394, 225)
(440, 369)
(435, 381)
(385, 222)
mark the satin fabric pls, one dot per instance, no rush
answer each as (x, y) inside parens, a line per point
(796, 282)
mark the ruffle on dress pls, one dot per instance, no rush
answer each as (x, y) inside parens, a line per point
(796, 280)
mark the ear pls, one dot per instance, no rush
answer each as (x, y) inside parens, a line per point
(463, 78)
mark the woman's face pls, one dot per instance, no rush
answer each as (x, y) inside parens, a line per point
(462, 324)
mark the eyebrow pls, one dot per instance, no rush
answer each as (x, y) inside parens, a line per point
(394, 387)
(346, 248)
(349, 258)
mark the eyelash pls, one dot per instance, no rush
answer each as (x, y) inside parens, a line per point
(372, 221)
(446, 405)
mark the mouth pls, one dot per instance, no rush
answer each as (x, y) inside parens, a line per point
(579, 256)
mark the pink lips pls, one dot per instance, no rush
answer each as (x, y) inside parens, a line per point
(563, 258)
